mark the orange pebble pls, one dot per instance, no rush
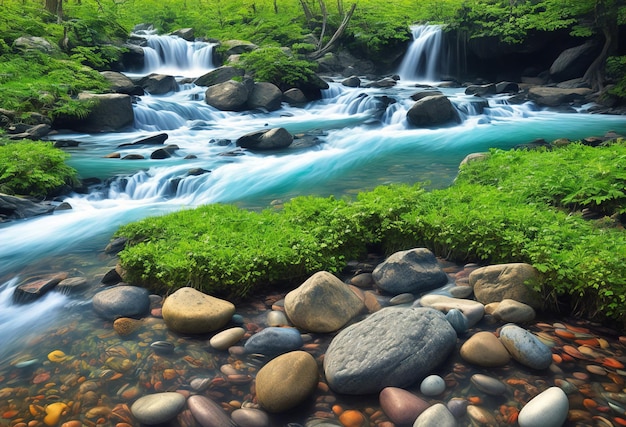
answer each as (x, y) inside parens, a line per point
(566, 357)
(10, 414)
(337, 410)
(620, 421)
(556, 358)
(352, 418)
(589, 403)
(573, 351)
(474, 400)
(564, 333)
(591, 342)
(610, 362)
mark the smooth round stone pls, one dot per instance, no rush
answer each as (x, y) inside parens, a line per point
(488, 385)
(277, 318)
(157, 408)
(190, 311)
(272, 341)
(437, 415)
(525, 347)
(121, 301)
(405, 298)
(481, 416)
(227, 338)
(548, 409)
(457, 407)
(509, 310)
(162, 347)
(485, 349)
(250, 417)
(238, 319)
(208, 413)
(200, 384)
(286, 381)
(473, 310)
(432, 385)
(458, 321)
(461, 291)
(401, 406)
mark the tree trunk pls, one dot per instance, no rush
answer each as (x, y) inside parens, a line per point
(324, 20)
(346, 19)
(307, 11)
(606, 19)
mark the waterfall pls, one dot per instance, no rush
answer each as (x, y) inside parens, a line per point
(422, 60)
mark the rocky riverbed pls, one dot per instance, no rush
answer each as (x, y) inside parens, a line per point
(444, 359)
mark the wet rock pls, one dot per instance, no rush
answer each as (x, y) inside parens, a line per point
(228, 96)
(554, 97)
(506, 281)
(509, 310)
(33, 288)
(423, 94)
(525, 347)
(157, 139)
(432, 385)
(507, 87)
(185, 34)
(480, 416)
(219, 75)
(286, 381)
(121, 301)
(485, 349)
(401, 406)
(323, 303)
(277, 318)
(227, 338)
(573, 62)
(437, 415)
(158, 84)
(250, 417)
(119, 83)
(192, 312)
(294, 97)
(458, 321)
(125, 326)
(71, 285)
(413, 271)
(472, 310)
(432, 111)
(547, 409)
(352, 81)
(488, 385)
(266, 96)
(272, 341)
(481, 90)
(377, 352)
(110, 112)
(157, 408)
(208, 413)
(12, 207)
(269, 139)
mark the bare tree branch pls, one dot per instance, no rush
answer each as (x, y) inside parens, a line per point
(346, 19)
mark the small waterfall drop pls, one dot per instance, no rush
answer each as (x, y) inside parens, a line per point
(422, 59)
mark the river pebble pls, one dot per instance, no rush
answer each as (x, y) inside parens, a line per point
(157, 408)
(547, 409)
(250, 417)
(401, 406)
(227, 338)
(485, 349)
(274, 341)
(208, 413)
(432, 385)
(488, 385)
(525, 347)
(437, 415)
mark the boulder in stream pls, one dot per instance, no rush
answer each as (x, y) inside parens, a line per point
(432, 111)
(35, 287)
(270, 139)
(110, 112)
(266, 96)
(227, 96)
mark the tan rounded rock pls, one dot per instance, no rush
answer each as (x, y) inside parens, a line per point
(190, 311)
(286, 381)
(485, 349)
(514, 311)
(514, 281)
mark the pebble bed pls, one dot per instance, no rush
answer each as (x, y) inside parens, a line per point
(90, 372)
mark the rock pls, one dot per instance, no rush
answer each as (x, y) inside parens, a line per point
(362, 280)
(277, 318)
(525, 347)
(270, 139)
(507, 87)
(294, 97)
(157, 408)
(157, 139)
(481, 90)
(185, 34)
(509, 310)
(272, 341)
(286, 381)
(35, 132)
(401, 406)
(323, 303)
(432, 111)
(119, 83)
(219, 75)
(227, 338)
(432, 385)
(457, 407)
(382, 83)
(488, 385)
(548, 409)
(413, 271)
(554, 97)
(473, 157)
(125, 326)
(250, 417)
(485, 349)
(430, 92)
(573, 62)
(401, 299)
(12, 207)
(227, 96)
(458, 321)
(26, 43)
(473, 310)
(158, 84)
(33, 288)
(190, 311)
(352, 81)
(377, 352)
(237, 47)
(160, 154)
(506, 281)
(480, 416)
(436, 416)
(266, 96)
(208, 413)
(121, 301)
(109, 113)
(71, 284)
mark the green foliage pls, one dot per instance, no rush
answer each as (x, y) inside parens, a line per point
(616, 71)
(33, 168)
(508, 208)
(274, 65)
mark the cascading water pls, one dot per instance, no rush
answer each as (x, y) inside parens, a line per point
(422, 60)
(362, 140)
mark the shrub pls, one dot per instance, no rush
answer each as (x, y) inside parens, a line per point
(274, 65)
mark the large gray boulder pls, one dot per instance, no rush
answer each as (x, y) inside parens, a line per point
(266, 96)
(323, 303)
(413, 271)
(121, 84)
(109, 113)
(158, 84)
(554, 96)
(495, 283)
(394, 347)
(270, 139)
(227, 96)
(12, 207)
(219, 75)
(121, 301)
(432, 111)
(237, 47)
(573, 62)
(31, 43)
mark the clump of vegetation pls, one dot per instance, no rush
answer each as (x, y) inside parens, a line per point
(515, 206)
(274, 65)
(32, 168)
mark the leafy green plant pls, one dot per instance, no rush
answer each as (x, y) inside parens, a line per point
(33, 168)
